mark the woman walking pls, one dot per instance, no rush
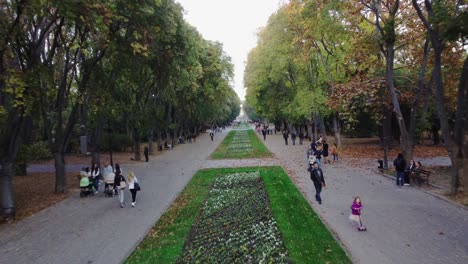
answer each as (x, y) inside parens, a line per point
(133, 186)
(95, 174)
(120, 184)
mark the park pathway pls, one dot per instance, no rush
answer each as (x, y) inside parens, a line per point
(96, 229)
(404, 225)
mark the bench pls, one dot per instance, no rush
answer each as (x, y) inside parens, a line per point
(422, 176)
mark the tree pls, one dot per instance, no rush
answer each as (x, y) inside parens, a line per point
(440, 20)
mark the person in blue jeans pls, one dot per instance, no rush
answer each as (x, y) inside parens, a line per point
(400, 167)
(316, 175)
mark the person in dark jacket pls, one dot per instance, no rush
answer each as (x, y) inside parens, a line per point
(316, 175)
(400, 167)
(313, 146)
(264, 133)
(146, 152)
(325, 152)
(293, 137)
(285, 136)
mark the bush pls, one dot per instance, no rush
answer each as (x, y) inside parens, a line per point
(39, 151)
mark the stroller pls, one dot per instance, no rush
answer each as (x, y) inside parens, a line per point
(86, 187)
(109, 185)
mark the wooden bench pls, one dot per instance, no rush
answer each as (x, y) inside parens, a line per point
(422, 176)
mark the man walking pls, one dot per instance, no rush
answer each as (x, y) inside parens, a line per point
(146, 152)
(293, 137)
(264, 132)
(211, 135)
(285, 136)
(400, 166)
(316, 175)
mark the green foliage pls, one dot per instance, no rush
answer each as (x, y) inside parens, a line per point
(116, 142)
(39, 150)
(389, 31)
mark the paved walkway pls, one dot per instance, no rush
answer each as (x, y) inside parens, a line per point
(96, 229)
(404, 225)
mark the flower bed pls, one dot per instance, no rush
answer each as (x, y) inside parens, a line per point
(241, 144)
(236, 225)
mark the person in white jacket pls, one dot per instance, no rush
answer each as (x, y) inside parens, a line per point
(132, 180)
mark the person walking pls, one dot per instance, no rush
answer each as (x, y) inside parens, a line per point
(293, 137)
(334, 152)
(313, 146)
(400, 167)
(211, 135)
(285, 136)
(264, 132)
(133, 186)
(325, 152)
(120, 184)
(316, 175)
(95, 174)
(318, 155)
(146, 152)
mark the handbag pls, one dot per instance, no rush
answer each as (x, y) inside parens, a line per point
(137, 186)
(123, 184)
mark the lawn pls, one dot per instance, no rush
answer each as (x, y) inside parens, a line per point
(239, 144)
(235, 214)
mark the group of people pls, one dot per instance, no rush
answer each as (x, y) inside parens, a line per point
(315, 152)
(294, 136)
(403, 172)
(319, 150)
(115, 182)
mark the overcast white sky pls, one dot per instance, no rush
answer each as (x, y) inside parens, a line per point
(233, 23)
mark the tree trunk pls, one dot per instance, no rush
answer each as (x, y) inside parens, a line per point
(159, 139)
(7, 203)
(309, 130)
(459, 182)
(405, 145)
(336, 129)
(323, 130)
(151, 143)
(96, 141)
(315, 121)
(137, 138)
(60, 179)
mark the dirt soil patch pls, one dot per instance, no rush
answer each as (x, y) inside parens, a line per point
(35, 192)
(375, 151)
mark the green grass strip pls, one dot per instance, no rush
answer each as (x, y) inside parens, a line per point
(305, 236)
(165, 240)
(259, 150)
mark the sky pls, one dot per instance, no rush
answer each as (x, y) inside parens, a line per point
(234, 23)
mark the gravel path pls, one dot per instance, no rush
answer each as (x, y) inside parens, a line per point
(96, 229)
(404, 225)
